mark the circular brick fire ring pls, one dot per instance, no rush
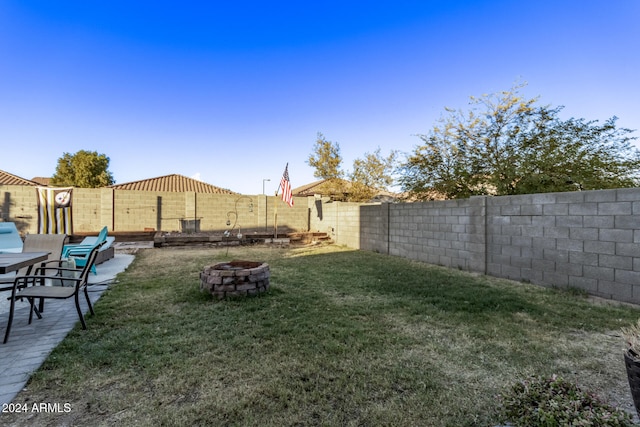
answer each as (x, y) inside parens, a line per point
(235, 278)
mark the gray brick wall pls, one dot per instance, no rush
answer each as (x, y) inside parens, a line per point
(341, 221)
(581, 239)
(588, 240)
(448, 233)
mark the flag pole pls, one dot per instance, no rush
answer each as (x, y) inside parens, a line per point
(275, 214)
(285, 184)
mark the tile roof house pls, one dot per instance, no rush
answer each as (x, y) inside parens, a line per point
(324, 187)
(340, 190)
(41, 180)
(7, 178)
(172, 183)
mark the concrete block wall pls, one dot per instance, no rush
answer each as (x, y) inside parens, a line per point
(448, 233)
(588, 240)
(340, 220)
(19, 204)
(374, 228)
(254, 212)
(137, 210)
(129, 210)
(140, 210)
(294, 218)
(212, 211)
(87, 209)
(107, 203)
(322, 216)
(347, 228)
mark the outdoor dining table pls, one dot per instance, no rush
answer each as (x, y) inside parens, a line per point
(13, 262)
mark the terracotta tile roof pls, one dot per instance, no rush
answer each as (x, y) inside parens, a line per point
(41, 180)
(172, 183)
(319, 187)
(9, 179)
(339, 188)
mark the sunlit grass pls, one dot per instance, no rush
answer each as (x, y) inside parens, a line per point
(342, 338)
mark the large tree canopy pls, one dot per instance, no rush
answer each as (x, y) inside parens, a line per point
(509, 145)
(84, 169)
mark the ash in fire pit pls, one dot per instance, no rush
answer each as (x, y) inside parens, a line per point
(237, 265)
(235, 278)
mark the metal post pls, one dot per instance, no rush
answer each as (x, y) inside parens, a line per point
(266, 210)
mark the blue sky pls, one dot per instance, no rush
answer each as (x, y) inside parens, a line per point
(232, 91)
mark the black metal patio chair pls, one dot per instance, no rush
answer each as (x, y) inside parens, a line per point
(78, 279)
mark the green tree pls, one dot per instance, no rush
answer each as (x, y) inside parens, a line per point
(371, 174)
(374, 170)
(506, 144)
(326, 159)
(84, 169)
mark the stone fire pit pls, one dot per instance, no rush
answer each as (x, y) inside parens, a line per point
(235, 278)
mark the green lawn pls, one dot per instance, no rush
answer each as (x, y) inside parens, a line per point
(343, 338)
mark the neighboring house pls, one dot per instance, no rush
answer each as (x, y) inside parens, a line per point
(335, 188)
(41, 180)
(387, 197)
(7, 178)
(338, 189)
(172, 183)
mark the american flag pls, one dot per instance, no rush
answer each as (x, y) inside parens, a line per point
(287, 197)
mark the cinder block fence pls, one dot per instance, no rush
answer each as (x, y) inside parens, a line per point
(131, 210)
(588, 240)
